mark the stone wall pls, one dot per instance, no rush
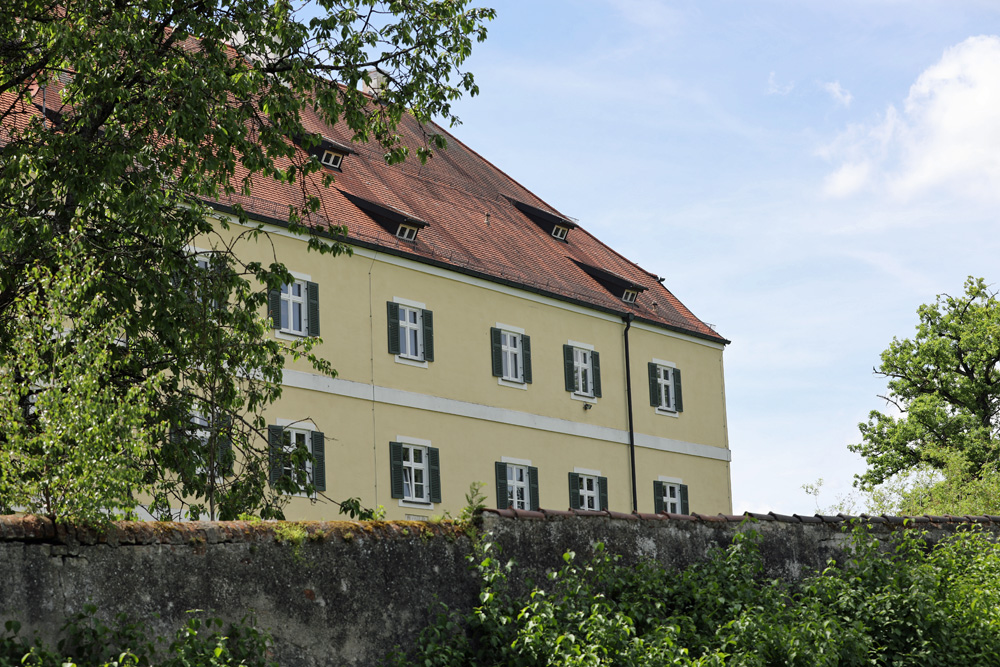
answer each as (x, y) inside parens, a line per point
(351, 592)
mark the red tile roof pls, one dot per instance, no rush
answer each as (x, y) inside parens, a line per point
(473, 227)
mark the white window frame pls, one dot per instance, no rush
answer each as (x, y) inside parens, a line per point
(418, 361)
(335, 159)
(671, 504)
(512, 355)
(514, 471)
(288, 447)
(289, 301)
(407, 232)
(411, 334)
(590, 498)
(661, 409)
(560, 232)
(583, 372)
(410, 473)
(629, 296)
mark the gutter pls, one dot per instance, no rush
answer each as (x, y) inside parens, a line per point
(627, 318)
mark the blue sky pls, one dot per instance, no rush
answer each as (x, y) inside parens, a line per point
(804, 174)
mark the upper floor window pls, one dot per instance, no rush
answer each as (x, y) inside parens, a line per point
(582, 366)
(294, 309)
(629, 295)
(511, 354)
(407, 233)
(411, 331)
(560, 232)
(665, 387)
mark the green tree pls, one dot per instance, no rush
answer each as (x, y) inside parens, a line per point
(944, 386)
(121, 121)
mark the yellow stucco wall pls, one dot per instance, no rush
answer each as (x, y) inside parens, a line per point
(457, 405)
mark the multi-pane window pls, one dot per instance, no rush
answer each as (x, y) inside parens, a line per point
(510, 349)
(291, 440)
(332, 159)
(294, 314)
(410, 338)
(415, 478)
(664, 387)
(518, 492)
(583, 372)
(671, 497)
(589, 499)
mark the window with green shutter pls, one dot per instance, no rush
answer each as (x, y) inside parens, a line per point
(415, 473)
(588, 492)
(510, 353)
(670, 497)
(411, 331)
(517, 486)
(582, 370)
(665, 387)
(283, 443)
(294, 309)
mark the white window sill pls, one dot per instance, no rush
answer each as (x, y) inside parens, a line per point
(583, 397)
(667, 413)
(416, 504)
(407, 361)
(285, 334)
(513, 384)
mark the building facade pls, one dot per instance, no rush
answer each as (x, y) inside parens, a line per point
(481, 336)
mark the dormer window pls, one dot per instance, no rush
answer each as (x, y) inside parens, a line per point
(555, 225)
(629, 296)
(560, 232)
(332, 159)
(407, 233)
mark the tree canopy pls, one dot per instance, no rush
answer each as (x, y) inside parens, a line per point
(943, 391)
(121, 122)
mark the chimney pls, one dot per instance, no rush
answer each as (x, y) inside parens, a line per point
(378, 82)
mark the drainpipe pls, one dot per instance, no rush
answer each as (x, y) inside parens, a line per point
(627, 318)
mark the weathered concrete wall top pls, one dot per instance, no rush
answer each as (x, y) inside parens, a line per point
(350, 592)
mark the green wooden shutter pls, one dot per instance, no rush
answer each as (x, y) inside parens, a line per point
(396, 469)
(678, 400)
(312, 298)
(434, 462)
(568, 368)
(274, 308)
(658, 493)
(501, 471)
(596, 363)
(574, 491)
(654, 384)
(224, 446)
(526, 357)
(684, 499)
(496, 352)
(427, 317)
(533, 487)
(319, 460)
(392, 313)
(275, 453)
(602, 485)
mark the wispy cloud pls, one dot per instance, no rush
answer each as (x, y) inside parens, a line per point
(839, 94)
(946, 138)
(775, 88)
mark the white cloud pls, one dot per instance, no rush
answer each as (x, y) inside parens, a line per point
(774, 88)
(840, 94)
(946, 138)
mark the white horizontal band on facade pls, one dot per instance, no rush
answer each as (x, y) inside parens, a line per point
(450, 406)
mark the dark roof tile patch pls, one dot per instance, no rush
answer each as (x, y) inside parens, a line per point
(830, 519)
(760, 517)
(785, 518)
(808, 519)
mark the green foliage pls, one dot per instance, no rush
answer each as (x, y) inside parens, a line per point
(945, 385)
(152, 111)
(89, 642)
(901, 603)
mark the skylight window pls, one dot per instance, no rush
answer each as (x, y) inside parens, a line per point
(560, 232)
(332, 159)
(407, 233)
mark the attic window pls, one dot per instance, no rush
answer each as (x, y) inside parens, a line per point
(332, 159)
(556, 225)
(629, 296)
(407, 233)
(560, 232)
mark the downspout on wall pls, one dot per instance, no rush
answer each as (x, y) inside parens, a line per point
(627, 318)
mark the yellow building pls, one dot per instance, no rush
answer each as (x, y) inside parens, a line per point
(480, 335)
